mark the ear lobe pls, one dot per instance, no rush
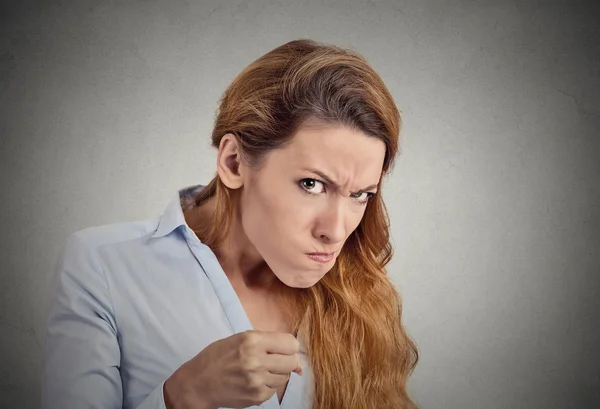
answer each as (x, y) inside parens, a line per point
(229, 162)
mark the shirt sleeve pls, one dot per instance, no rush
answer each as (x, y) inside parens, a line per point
(81, 351)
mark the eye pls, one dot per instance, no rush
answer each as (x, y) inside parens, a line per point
(364, 197)
(312, 186)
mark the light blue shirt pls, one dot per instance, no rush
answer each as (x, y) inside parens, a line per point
(133, 302)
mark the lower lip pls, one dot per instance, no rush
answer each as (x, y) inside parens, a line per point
(320, 258)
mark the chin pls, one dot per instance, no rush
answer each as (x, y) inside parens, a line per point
(300, 282)
(299, 276)
(304, 285)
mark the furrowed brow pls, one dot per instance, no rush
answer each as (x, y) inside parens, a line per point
(331, 181)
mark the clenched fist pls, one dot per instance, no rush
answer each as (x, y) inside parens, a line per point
(235, 372)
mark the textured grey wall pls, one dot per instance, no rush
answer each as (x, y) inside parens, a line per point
(495, 202)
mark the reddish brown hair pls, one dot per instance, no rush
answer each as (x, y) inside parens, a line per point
(359, 352)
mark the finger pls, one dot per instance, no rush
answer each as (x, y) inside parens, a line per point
(282, 364)
(274, 381)
(280, 343)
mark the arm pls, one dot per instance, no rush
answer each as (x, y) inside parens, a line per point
(81, 351)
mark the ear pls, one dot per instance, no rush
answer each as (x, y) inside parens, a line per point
(229, 162)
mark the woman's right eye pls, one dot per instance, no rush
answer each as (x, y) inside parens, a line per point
(311, 186)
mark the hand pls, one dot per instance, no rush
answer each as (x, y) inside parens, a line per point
(242, 370)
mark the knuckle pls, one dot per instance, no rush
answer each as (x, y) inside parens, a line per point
(250, 338)
(250, 363)
(255, 384)
(294, 343)
(248, 343)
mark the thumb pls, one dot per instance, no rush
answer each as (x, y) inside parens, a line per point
(298, 369)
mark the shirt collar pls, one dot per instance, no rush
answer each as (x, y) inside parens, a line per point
(172, 217)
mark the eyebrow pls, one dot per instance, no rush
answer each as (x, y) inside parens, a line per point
(331, 182)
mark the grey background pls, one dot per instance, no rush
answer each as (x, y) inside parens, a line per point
(107, 109)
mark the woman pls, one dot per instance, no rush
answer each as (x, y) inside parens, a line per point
(265, 287)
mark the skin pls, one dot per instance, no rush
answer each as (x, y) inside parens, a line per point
(278, 221)
(286, 209)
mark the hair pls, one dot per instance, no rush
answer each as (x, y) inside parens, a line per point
(351, 320)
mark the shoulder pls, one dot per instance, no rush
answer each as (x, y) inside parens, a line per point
(97, 237)
(85, 245)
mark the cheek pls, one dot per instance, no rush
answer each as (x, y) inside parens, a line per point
(356, 218)
(293, 219)
(272, 220)
(353, 221)
(287, 212)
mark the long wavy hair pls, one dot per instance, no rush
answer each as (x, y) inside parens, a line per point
(351, 320)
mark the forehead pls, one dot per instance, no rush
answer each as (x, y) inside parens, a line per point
(343, 152)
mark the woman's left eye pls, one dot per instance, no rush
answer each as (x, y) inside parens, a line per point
(363, 197)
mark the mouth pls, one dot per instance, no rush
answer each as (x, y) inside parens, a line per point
(321, 257)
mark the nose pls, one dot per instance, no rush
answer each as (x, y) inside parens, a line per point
(330, 227)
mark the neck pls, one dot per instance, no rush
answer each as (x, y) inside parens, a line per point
(242, 263)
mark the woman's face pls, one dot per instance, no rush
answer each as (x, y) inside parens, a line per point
(308, 198)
